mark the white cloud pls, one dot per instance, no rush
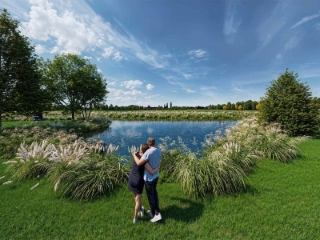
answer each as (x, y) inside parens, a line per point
(112, 83)
(121, 96)
(150, 86)
(231, 25)
(197, 53)
(306, 19)
(117, 57)
(73, 27)
(89, 58)
(293, 41)
(279, 56)
(39, 49)
(190, 91)
(187, 76)
(132, 84)
(107, 52)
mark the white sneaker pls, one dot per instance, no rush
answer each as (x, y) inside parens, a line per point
(150, 213)
(135, 220)
(142, 211)
(156, 218)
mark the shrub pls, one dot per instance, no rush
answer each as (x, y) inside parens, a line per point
(289, 103)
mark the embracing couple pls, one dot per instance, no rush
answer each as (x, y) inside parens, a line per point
(145, 171)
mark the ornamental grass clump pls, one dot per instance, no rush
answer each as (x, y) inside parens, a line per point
(34, 160)
(92, 177)
(214, 174)
(265, 141)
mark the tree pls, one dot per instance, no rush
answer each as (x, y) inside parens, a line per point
(74, 83)
(289, 103)
(228, 105)
(19, 79)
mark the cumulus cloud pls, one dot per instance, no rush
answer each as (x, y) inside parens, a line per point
(117, 57)
(107, 52)
(150, 87)
(132, 84)
(39, 49)
(73, 27)
(117, 95)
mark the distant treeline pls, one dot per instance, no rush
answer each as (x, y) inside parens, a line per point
(247, 105)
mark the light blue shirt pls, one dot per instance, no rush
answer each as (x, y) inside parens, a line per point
(152, 156)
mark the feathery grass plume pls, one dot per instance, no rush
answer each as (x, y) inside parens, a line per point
(166, 143)
(35, 186)
(264, 140)
(34, 160)
(7, 182)
(133, 149)
(112, 148)
(2, 177)
(9, 162)
(92, 177)
(70, 153)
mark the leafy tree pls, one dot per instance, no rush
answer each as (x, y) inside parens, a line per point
(289, 103)
(228, 105)
(258, 106)
(224, 107)
(19, 79)
(74, 83)
(240, 107)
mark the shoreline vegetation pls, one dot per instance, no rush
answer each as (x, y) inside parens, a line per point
(153, 115)
(50, 163)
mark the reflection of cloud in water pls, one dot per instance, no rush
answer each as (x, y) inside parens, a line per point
(133, 133)
(149, 130)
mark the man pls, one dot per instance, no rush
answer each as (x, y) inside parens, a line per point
(152, 156)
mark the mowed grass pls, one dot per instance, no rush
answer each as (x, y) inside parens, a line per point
(282, 201)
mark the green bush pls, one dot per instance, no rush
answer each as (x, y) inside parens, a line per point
(290, 103)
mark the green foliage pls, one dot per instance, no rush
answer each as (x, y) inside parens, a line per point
(90, 178)
(289, 103)
(73, 83)
(19, 79)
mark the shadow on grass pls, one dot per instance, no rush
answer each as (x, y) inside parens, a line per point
(184, 210)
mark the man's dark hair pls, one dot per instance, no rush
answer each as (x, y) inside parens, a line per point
(151, 141)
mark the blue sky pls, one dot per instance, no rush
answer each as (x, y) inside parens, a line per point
(189, 53)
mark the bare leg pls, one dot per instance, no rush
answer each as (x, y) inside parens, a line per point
(137, 209)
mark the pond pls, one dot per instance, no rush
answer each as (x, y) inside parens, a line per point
(186, 134)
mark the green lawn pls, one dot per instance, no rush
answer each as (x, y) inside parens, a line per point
(282, 201)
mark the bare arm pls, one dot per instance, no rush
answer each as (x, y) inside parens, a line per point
(150, 170)
(138, 161)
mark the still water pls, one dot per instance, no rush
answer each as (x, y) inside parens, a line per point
(133, 133)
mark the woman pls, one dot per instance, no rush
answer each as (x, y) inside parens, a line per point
(136, 181)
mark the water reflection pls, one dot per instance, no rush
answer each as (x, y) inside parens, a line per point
(192, 134)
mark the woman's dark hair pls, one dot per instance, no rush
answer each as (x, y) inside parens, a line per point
(144, 147)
